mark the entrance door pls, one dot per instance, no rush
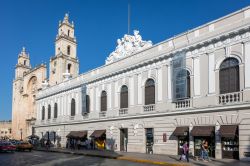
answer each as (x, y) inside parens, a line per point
(123, 139)
(211, 145)
(149, 140)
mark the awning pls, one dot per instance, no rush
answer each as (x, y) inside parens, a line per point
(229, 131)
(77, 134)
(181, 131)
(98, 133)
(202, 131)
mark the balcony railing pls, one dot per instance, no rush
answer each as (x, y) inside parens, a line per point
(102, 114)
(123, 111)
(228, 98)
(149, 108)
(185, 103)
(54, 120)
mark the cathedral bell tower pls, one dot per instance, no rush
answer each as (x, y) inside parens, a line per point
(64, 64)
(23, 64)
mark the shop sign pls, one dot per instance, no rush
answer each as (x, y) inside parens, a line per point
(164, 137)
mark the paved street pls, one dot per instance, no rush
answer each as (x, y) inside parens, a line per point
(37, 158)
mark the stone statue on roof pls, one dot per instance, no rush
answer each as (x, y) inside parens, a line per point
(128, 45)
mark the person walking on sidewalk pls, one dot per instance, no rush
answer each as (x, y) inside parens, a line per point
(185, 152)
(48, 145)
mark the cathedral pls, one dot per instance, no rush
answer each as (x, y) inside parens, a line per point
(147, 98)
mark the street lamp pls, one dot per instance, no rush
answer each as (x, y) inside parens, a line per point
(21, 131)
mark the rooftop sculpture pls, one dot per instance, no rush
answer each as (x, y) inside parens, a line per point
(128, 45)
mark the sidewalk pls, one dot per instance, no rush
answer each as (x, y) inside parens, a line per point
(166, 160)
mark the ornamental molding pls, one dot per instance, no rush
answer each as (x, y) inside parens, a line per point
(167, 113)
(128, 45)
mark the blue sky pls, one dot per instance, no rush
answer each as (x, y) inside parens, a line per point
(98, 24)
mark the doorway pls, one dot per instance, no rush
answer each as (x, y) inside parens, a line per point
(123, 139)
(149, 140)
(210, 145)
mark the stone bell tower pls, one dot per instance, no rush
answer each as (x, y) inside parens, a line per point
(64, 64)
(23, 64)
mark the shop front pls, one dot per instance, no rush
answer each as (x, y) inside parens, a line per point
(75, 139)
(98, 139)
(182, 133)
(204, 135)
(230, 141)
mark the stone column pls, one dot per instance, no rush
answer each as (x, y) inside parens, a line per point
(169, 83)
(218, 153)
(196, 71)
(191, 141)
(158, 89)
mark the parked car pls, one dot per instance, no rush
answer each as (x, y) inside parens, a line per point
(7, 147)
(15, 142)
(22, 146)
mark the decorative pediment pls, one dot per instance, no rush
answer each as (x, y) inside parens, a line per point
(128, 45)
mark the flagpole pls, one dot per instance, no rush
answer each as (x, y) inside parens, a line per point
(128, 17)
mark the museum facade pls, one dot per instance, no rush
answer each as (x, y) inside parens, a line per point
(151, 98)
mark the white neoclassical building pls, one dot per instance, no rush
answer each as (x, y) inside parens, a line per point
(151, 98)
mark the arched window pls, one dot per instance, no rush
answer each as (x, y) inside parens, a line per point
(150, 92)
(104, 101)
(87, 103)
(24, 62)
(124, 97)
(43, 113)
(55, 110)
(68, 32)
(49, 111)
(229, 76)
(68, 50)
(73, 107)
(69, 67)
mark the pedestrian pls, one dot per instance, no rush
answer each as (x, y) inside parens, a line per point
(206, 151)
(67, 143)
(78, 144)
(48, 145)
(185, 152)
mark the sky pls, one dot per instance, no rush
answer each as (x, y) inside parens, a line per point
(98, 24)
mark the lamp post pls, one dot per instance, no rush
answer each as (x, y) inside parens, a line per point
(21, 131)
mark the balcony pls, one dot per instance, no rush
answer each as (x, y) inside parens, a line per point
(182, 104)
(149, 108)
(123, 111)
(102, 114)
(229, 98)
